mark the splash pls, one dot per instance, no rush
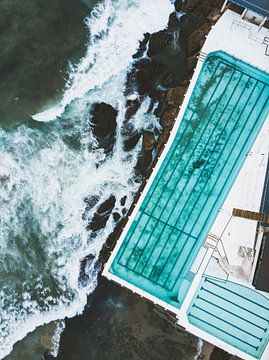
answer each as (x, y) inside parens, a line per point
(115, 27)
(47, 171)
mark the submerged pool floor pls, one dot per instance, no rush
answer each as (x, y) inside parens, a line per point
(226, 110)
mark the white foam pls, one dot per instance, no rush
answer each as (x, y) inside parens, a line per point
(115, 28)
(43, 181)
(60, 325)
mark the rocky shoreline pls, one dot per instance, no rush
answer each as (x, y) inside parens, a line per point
(117, 324)
(162, 69)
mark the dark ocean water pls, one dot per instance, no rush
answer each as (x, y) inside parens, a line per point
(62, 56)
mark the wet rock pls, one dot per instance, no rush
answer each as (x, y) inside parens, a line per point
(123, 200)
(168, 80)
(162, 140)
(116, 216)
(130, 142)
(191, 5)
(169, 116)
(130, 135)
(132, 107)
(214, 16)
(178, 5)
(191, 62)
(159, 42)
(148, 74)
(173, 22)
(189, 22)
(197, 39)
(143, 163)
(102, 214)
(103, 123)
(148, 141)
(175, 95)
(165, 64)
(219, 354)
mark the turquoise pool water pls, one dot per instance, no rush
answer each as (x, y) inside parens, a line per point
(225, 113)
(233, 313)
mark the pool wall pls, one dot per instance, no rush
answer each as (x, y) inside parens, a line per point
(258, 79)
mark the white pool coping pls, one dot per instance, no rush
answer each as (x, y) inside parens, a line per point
(242, 40)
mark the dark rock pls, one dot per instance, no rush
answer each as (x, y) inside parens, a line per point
(103, 123)
(214, 15)
(173, 22)
(132, 107)
(162, 140)
(197, 39)
(168, 80)
(116, 216)
(123, 200)
(189, 22)
(102, 214)
(191, 5)
(143, 163)
(169, 116)
(178, 5)
(131, 141)
(148, 141)
(219, 354)
(165, 65)
(159, 42)
(175, 95)
(191, 62)
(48, 356)
(148, 75)
(130, 136)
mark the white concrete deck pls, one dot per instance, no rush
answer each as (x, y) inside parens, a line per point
(241, 40)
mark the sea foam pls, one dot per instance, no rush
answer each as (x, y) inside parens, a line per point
(47, 171)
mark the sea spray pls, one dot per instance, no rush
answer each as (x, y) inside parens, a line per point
(115, 27)
(59, 328)
(47, 171)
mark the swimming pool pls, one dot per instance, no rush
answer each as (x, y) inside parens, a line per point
(226, 110)
(233, 313)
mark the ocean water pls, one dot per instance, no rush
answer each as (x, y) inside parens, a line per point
(48, 166)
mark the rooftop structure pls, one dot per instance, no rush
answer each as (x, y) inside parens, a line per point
(259, 6)
(183, 248)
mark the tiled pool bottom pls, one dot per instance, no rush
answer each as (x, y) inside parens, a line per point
(226, 110)
(233, 313)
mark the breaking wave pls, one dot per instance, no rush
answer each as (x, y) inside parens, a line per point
(47, 171)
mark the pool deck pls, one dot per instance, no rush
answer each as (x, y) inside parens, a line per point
(241, 40)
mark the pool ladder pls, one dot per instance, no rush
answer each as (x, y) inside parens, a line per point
(211, 241)
(202, 56)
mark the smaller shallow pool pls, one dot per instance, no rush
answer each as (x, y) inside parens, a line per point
(233, 313)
